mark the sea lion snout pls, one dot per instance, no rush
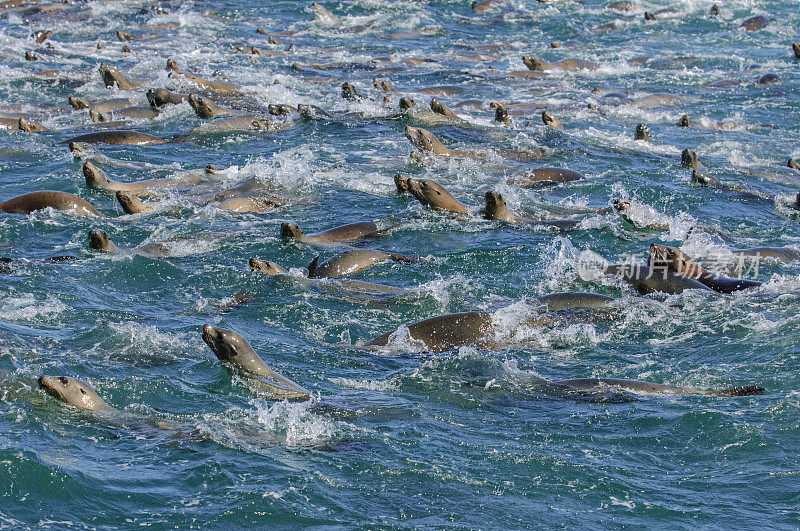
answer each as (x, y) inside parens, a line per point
(99, 240)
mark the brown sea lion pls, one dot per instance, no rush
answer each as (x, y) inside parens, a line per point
(427, 142)
(111, 76)
(214, 86)
(132, 204)
(21, 124)
(63, 201)
(430, 193)
(793, 164)
(678, 262)
(796, 50)
(383, 85)
(136, 113)
(98, 180)
(570, 65)
(684, 121)
(253, 202)
(689, 159)
(345, 233)
(440, 108)
(446, 332)
(118, 137)
(75, 393)
(645, 279)
(501, 115)
(205, 108)
(703, 179)
(547, 119)
(637, 386)
(641, 133)
(160, 97)
(496, 209)
(351, 262)
(755, 23)
(544, 176)
(232, 348)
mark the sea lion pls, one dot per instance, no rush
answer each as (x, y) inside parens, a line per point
(99, 240)
(641, 133)
(345, 233)
(30, 56)
(703, 179)
(219, 87)
(440, 108)
(645, 279)
(786, 254)
(382, 84)
(637, 386)
(75, 393)
(160, 97)
(574, 299)
(132, 204)
(501, 115)
(205, 108)
(63, 201)
(544, 176)
(653, 100)
(552, 122)
(118, 137)
(349, 92)
(244, 122)
(98, 180)
(253, 202)
(569, 65)
(622, 5)
(755, 23)
(21, 124)
(796, 50)
(791, 163)
(310, 112)
(233, 349)
(496, 209)
(350, 262)
(281, 109)
(136, 113)
(678, 262)
(446, 332)
(768, 79)
(430, 193)
(684, 121)
(689, 159)
(111, 76)
(325, 17)
(427, 142)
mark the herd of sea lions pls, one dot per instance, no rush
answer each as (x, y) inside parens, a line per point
(227, 108)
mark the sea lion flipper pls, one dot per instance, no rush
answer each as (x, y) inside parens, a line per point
(313, 266)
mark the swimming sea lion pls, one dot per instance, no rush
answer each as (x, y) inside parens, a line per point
(678, 262)
(98, 180)
(350, 262)
(544, 176)
(786, 254)
(446, 332)
(345, 233)
(232, 348)
(63, 201)
(21, 124)
(75, 393)
(501, 115)
(111, 76)
(570, 65)
(768, 79)
(641, 133)
(755, 23)
(132, 204)
(430, 193)
(552, 122)
(253, 202)
(496, 209)
(689, 159)
(349, 92)
(796, 49)
(793, 164)
(205, 108)
(653, 100)
(637, 386)
(160, 97)
(442, 109)
(118, 137)
(383, 85)
(622, 5)
(684, 121)
(215, 86)
(645, 279)
(703, 179)
(574, 299)
(136, 113)
(325, 17)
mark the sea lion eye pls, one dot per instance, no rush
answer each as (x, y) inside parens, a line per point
(63, 380)
(82, 391)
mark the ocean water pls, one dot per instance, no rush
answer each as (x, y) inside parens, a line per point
(468, 438)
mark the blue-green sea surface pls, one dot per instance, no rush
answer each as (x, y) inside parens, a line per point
(397, 437)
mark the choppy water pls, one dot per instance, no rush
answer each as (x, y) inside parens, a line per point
(465, 438)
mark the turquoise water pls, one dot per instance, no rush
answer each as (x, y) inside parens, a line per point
(466, 438)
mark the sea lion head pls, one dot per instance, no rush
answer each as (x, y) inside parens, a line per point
(98, 116)
(73, 392)
(173, 66)
(291, 230)
(501, 114)
(685, 121)
(424, 140)
(534, 63)
(641, 133)
(100, 241)
(547, 118)
(401, 182)
(158, 97)
(226, 344)
(620, 206)
(131, 204)
(407, 103)
(31, 127)
(349, 92)
(496, 207)
(80, 150)
(673, 259)
(689, 159)
(79, 103)
(109, 74)
(266, 267)
(203, 107)
(309, 112)
(95, 177)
